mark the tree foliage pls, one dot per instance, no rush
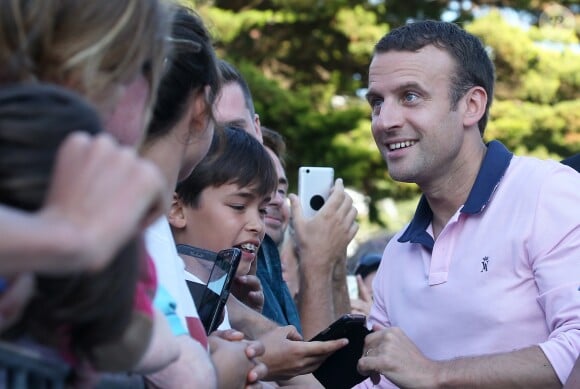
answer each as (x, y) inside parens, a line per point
(306, 63)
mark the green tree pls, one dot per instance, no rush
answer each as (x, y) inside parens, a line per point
(306, 63)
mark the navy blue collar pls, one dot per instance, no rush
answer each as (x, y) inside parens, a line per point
(495, 163)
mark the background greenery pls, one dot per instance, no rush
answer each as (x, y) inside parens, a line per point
(306, 63)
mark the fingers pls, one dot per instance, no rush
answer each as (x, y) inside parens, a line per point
(15, 298)
(231, 335)
(327, 347)
(363, 292)
(105, 193)
(292, 333)
(255, 349)
(257, 373)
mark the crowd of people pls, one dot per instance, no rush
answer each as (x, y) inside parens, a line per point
(131, 154)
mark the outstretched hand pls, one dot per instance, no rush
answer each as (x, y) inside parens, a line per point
(364, 302)
(101, 194)
(288, 356)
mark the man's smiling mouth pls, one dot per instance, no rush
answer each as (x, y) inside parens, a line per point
(400, 145)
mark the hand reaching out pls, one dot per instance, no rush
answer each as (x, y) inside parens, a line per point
(235, 360)
(287, 355)
(364, 302)
(248, 290)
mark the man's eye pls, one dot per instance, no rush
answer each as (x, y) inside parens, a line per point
(410, 97)
(237, 207)
(376, 105)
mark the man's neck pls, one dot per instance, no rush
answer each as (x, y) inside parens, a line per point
(449, 194)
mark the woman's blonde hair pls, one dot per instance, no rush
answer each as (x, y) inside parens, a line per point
(91, 46)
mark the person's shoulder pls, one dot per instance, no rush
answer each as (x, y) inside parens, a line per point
(539, 169)
(573, 162)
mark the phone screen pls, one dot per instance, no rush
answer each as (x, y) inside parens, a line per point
(211, 296)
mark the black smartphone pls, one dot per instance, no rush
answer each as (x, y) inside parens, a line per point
(210, 298)
(343, 327)
(340, 369)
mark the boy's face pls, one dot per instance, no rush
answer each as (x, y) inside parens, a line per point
(278, 214)
(227, 216)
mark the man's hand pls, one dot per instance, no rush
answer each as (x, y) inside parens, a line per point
(101, 195)
(287, 355)
(322, 239)
(236, 360)
(248, 290)
(18, 291)
(389, 352)
(364, 302)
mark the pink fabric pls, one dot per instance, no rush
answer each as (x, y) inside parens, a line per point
(499, 280)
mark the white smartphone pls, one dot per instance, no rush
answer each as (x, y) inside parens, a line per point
(352, 286)
(314, 185)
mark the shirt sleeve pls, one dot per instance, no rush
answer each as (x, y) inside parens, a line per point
(555, 260)
(166, 304)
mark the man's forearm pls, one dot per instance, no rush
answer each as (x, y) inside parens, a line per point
(525, 368)
(246, 320)
(315, 302)
(341, 299)
(193, 368)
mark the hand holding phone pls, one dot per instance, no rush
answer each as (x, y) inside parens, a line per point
(314, 184)
(340, 369)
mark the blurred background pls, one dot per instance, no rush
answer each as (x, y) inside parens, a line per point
(306, 63)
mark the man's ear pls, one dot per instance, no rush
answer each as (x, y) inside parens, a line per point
(476, 102)
(258, 128)
(176, 216)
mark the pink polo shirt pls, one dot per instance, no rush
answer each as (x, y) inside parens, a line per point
(504, 273)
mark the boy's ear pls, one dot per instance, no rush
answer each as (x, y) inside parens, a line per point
(176, 215)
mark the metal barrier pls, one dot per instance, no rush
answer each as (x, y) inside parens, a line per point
(22, 368)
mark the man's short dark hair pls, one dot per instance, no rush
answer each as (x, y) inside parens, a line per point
(473, 65)
(275, 142)
(230, 74)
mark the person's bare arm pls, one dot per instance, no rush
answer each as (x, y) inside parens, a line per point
(306, 381)
(286, 355)
(163, 347)
(573, 380)
(322, 242)
(287, 358)
(391, 353)
(192, 369)
(235, 360)
(90, 210)
(341, 299)
(247, 320)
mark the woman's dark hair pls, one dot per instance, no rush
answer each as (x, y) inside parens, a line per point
(189, 69)
(87, 309)
(234, 157)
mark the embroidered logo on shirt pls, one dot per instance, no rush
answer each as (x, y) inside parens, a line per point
(484, 263)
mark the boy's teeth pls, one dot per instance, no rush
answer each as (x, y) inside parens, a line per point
(248, 247)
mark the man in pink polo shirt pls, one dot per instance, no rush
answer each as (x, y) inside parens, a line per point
(481, 288)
